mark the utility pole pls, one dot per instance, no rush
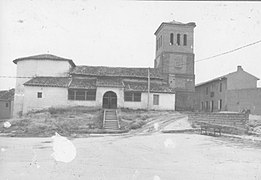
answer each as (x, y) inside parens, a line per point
(148, 105)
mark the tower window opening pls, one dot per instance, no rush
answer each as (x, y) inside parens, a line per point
(184, 39)
(178, 39)
(171, 39)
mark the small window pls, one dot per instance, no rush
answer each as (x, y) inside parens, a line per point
(39, 94)
(206, 90)
(184, 39)
(171, 39)
(220, 87)
(178, 39)
(155, 99)
(6, 105)
(202, 105)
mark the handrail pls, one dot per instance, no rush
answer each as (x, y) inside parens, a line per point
(116, 111)
(104, 117)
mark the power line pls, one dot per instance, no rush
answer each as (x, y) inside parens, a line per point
(227, 52)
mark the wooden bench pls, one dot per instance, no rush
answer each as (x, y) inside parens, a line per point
(210, 129)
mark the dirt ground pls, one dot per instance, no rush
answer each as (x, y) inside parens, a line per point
(155, 156)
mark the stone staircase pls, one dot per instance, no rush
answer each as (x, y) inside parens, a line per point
(110, 119)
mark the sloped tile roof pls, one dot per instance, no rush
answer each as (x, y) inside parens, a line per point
(93, 83)
(109, 82)
(115, 72)
(45, 57)
(49, 81)
(7, 95)
(83, 83)
(143, 86)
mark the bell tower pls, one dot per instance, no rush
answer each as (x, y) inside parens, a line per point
(175, 60)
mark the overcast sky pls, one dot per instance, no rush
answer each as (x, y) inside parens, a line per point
(121, 33)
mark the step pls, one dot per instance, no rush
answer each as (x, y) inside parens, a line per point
(111, 125)
(110, 120)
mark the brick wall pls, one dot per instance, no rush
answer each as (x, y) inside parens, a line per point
(237, 120)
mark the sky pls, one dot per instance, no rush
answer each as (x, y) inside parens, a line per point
(121, 33)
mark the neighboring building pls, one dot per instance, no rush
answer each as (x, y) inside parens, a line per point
(175, 60)
(236, 91)
(52, 81)
(6, 103)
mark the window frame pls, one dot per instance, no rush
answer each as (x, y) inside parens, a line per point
(155, 99)
(185, 38)
(171, 39)
(220, 104)
(132, 96)
(39, 95)
(86, 94)
(178, 39)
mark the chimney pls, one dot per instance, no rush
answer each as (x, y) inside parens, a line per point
(239, 68)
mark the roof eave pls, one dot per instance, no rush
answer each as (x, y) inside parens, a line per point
(166, 23)
(69, 60)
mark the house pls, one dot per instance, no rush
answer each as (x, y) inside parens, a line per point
(50, 80)
(6, 103)
(236, 91)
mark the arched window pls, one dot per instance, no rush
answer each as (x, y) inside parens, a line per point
(184, 39)
(178, 39)
(171, 39)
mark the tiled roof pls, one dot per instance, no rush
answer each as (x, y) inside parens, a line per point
(49, 81)
(7, 95)
(109, 82)
(45, 57)
(115, 72)
(93, 83)
(83, 83)
(143, 86)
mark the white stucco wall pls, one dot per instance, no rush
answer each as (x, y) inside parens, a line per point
(58, 97)
(31, 68)
(166, 102)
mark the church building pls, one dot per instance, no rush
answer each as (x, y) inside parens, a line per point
(50, 81)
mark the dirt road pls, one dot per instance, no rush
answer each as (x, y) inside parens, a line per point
(153, 157)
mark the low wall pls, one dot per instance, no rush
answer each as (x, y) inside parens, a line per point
(234, 120)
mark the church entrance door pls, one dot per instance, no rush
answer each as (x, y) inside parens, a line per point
(109, 100)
